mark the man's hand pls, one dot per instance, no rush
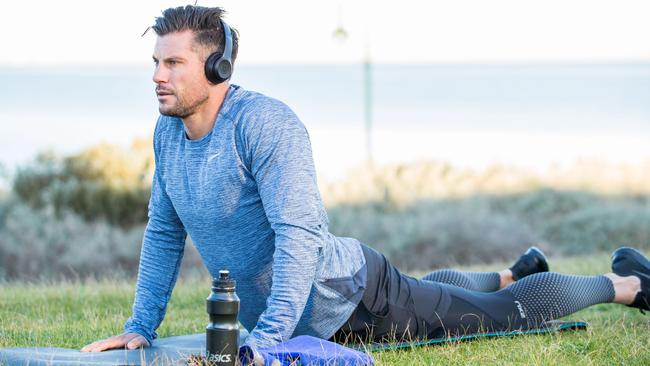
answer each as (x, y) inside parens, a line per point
(126, 340)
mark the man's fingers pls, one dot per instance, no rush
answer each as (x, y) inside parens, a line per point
(88, 347)
(137, 342)
(110, 343)
(95, 346)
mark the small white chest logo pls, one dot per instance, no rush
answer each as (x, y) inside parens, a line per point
(212, 156)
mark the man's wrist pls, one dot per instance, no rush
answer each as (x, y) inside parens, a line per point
(133, 327)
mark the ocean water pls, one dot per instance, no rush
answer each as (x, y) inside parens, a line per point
(470, 115)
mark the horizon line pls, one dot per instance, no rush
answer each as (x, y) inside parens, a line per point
(569, 62)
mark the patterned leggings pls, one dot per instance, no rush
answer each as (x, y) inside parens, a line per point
(450, 303)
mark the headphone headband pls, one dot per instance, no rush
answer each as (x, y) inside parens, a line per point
(227, 49)
(218, 66)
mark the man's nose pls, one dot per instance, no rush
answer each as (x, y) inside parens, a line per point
(160, 74)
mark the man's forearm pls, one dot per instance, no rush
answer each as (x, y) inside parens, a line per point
(294, 268)
(160, 260)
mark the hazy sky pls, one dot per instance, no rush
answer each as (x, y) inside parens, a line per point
(301, 31)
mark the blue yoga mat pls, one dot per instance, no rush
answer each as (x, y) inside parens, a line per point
(176, 350)
(307, 350)
(165, 351)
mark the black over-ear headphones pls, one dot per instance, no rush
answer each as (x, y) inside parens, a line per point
(218, 66)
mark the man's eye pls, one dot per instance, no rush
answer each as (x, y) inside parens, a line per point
(173, 62)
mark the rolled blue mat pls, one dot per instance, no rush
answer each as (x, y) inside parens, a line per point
(307, 350)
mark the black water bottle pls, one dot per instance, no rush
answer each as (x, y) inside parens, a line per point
(222, 334)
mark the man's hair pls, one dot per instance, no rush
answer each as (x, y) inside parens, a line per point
(203, 21)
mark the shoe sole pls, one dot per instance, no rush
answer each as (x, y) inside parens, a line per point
(630, 262)
(626, 262)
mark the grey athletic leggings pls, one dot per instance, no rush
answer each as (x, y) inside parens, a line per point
(395, 306)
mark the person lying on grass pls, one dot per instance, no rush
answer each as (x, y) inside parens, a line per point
(234, 169)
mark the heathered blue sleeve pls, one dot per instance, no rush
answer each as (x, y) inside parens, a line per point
(278, 152)
(160, 258)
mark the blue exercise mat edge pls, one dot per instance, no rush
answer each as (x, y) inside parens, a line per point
(548, 327)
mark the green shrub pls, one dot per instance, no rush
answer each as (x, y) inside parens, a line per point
(600, 228)
(37, 244)
(102, 182)
(432, 233)
(538, 206)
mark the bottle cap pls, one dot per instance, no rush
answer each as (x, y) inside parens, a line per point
(223, 282)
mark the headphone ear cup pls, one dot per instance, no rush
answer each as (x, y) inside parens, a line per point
(218, 66)
(224, 69)
(211, 68)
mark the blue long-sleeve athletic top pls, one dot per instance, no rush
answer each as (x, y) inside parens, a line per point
(247, 195)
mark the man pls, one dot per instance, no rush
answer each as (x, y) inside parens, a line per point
(234, 170)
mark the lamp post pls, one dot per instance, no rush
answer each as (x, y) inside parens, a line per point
(341, 35)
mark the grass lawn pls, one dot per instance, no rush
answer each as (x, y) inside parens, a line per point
(71, 315)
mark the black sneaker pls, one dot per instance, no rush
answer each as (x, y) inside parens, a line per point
(630, 262)
(533, 261)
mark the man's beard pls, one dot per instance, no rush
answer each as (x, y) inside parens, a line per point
(182, 108)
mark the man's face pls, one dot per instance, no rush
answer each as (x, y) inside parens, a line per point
(181, 85)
